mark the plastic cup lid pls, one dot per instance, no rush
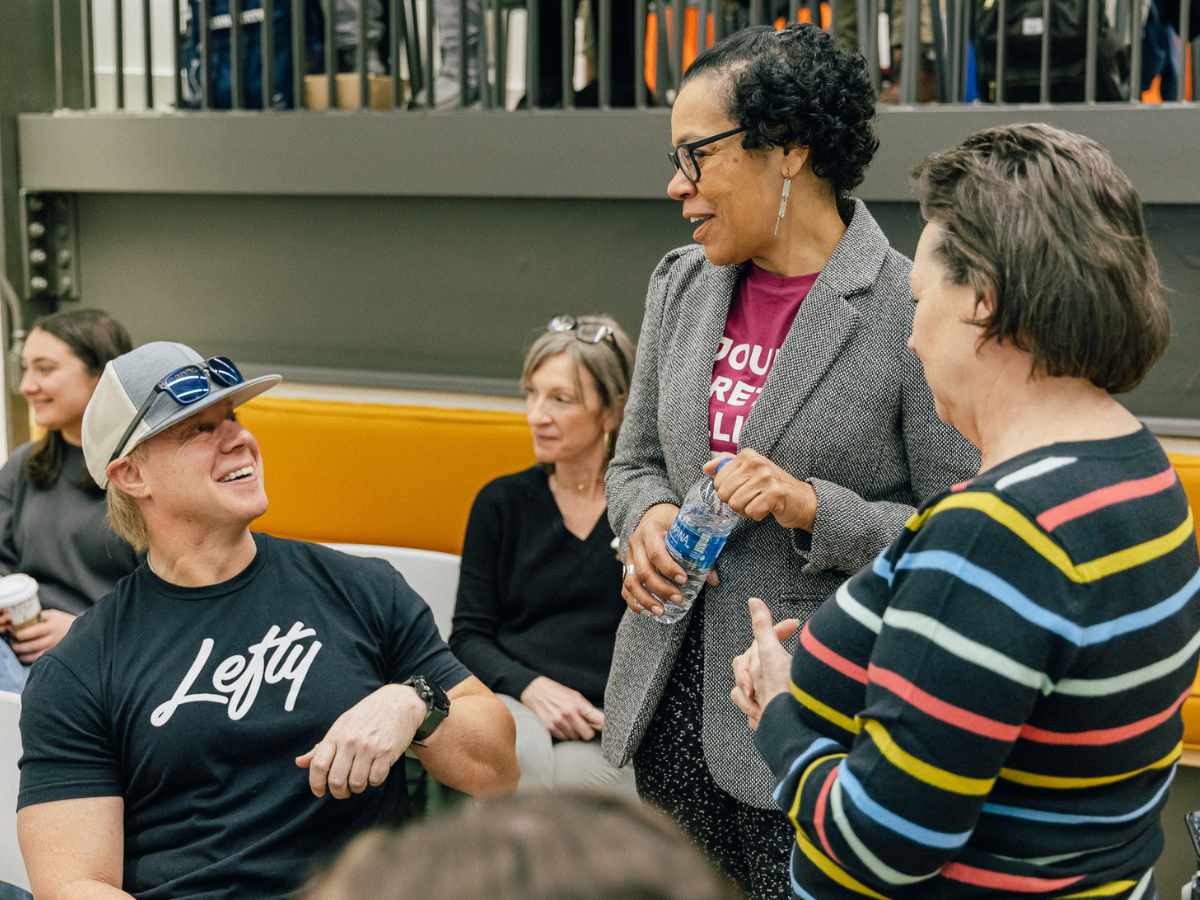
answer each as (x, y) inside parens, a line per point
(15, 588)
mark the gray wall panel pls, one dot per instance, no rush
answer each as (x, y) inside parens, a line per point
(435, 287)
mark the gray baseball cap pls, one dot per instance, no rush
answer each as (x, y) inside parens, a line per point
(124, 386)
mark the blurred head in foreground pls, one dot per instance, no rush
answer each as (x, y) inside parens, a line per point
(566, 845)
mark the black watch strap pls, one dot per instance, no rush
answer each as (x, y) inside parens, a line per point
(437, 705)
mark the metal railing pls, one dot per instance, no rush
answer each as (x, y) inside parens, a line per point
(670, 32)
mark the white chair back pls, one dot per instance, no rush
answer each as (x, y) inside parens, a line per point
(431, 574)
(12, 866)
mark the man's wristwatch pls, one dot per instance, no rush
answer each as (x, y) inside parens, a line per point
(436, 702)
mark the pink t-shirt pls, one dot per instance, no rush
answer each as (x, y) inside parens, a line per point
(760, 316)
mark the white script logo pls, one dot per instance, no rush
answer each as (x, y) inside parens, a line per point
(241, 680)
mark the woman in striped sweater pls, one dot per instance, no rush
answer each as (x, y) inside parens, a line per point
(992, 707)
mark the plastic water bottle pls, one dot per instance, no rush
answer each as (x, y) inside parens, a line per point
(696, 537)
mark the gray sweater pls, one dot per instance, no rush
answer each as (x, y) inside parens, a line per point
(59, 536)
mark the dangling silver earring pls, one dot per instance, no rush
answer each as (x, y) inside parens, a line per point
(787, 186)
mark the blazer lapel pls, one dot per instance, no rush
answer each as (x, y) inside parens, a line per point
(702, 314)
(825, 323)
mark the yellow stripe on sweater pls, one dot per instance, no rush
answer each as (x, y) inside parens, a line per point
(1052, 781)
(1105, 890)
(826, 712)
(832, 870)
(921, 770)
(1014, 521)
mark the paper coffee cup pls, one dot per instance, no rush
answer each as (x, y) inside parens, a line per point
(19, 595)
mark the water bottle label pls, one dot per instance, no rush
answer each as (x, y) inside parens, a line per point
(694, 547)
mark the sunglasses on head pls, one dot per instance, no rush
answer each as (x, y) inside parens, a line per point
(185, 386)
(588, 332)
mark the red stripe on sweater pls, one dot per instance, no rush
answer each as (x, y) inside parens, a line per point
(1108, 496)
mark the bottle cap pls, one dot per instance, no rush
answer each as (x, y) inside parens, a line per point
(16, 588)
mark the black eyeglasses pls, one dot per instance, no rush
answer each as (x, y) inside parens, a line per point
(588, 332)
(684, 160)
(186, 385)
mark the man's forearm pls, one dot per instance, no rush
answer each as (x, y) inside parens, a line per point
(473, 749)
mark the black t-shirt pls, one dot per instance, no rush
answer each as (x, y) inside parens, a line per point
(533, 599)
(193, 703)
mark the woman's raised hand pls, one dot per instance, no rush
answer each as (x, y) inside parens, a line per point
(764, 671)
(566, 713)
(753, 486)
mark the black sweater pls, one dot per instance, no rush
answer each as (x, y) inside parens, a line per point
(533, 599)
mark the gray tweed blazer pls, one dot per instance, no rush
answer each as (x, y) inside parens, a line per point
(845, 407)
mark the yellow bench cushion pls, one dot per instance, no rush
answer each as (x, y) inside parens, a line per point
(364, 473)
(1188, 468)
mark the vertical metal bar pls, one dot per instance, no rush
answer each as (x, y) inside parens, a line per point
(662, 70)
(58, 56)
(463, 57)
(266, 40)
(940, 67)
(1001, 46)
(702, 26)
(1196, 70)
(430, 77)
(330, 54)
(481, 53)
(501, 56)
(86, 55)
(1185, 26)
(966, 32)
(119, 14)
(360, 57)
(176, 78)
(1089, 66)
(205, 12)
(678, 19)
(299, 54)
(147, 54)
(794, 12)
(412, 44)
(1135, 51)
(953, 8)
(567, 67)
(237, 74)
(533, 55)
(604, 53)
(873, 9)
(396, 40)
(757, 13)
(639, 53)
(864, 30)
(910, 54)
(1044, 78)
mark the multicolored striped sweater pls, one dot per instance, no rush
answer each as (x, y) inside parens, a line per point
(992, 707)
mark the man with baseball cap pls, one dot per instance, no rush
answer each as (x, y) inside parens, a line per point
(230, 713)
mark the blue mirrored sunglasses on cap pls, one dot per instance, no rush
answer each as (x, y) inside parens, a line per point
(185, 386)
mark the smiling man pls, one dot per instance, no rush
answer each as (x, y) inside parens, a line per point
(231, 712)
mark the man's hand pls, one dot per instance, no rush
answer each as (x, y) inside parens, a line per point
(566, 713)
(365, 741)
(764, 671)
(30, 643)
(755, 487)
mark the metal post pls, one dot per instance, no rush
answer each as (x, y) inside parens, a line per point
(1135, 51)
(176, 78)
(533, 53)
(639, 54)
(1185, 26)
(360, 57)
(864, 30)
(119, 14)
(266, 40)
(1044, 79)
(237, 73)
(567, 67)
(954, 76)
(873, 60)
(758, 14)
(89, 73)
(1001, 41)
(1089, 66)
(397, 40)
(678, 19)
(299, 54)
(910, 61)
(793, 13)
(940, 68)
(205, 12)
(147, 54)
(485, 86)
(604, 52)
(58, 56)
(966, 28)
(430, 77)
(463, 81)
(501, 101)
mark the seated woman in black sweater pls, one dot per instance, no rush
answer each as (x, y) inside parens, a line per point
(53, 523)
(539, 598)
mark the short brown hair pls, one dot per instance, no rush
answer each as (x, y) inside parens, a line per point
(609, 362)
(1049, 233)
(562, 845)
(124, 514)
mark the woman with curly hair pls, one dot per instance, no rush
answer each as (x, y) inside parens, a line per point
(780, 342)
